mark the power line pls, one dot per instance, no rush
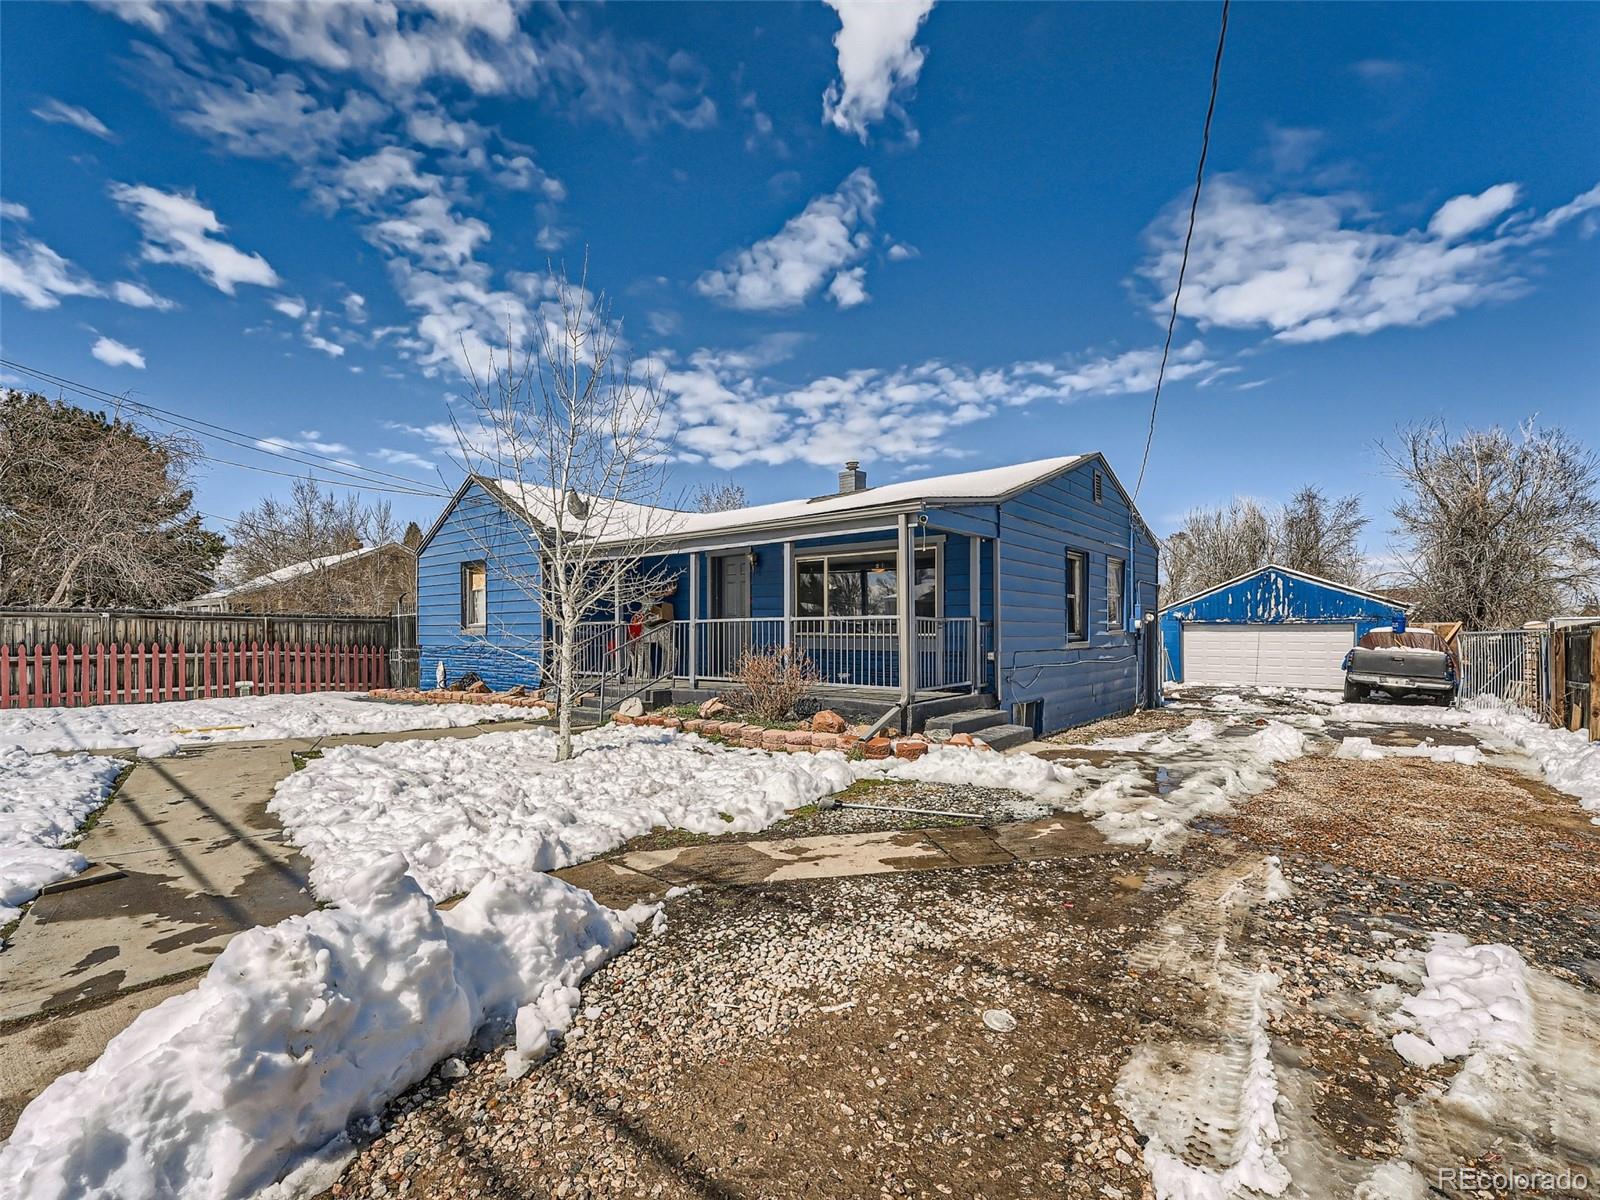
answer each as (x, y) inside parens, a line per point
(362, 475)
(1183, 266)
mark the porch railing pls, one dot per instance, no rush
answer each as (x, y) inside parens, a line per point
(951, 652)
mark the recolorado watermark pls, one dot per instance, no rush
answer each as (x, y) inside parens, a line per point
(1509, 1179)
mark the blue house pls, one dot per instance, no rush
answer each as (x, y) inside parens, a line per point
(1027, 591)
(1273, 627)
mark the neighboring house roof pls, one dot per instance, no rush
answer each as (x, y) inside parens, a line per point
(293, 571)
(1306, 575)
(630, 521)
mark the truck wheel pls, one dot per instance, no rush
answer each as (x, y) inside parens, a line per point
(1354, 693)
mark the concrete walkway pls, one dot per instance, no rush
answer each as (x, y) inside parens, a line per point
(184, 857)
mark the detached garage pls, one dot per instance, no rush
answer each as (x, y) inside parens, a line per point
(1274, 627)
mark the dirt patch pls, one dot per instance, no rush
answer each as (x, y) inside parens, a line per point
(1150, 720)
(1481, 828)
(822, 1039)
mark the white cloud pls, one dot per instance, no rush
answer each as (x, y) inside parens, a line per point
(307, 439)
(849, 288)
(877, 60)
(318, 342)
(114, 354)
(355, 307)
(40, 277)
(784, 270)
(724, 413)
(179, 229)
(290, 306)
(403, 458)
(136, 295)
(14, 212)
(57, 112)
(900, 252)
(255, 113)
(1468, 214)
(1312, 267)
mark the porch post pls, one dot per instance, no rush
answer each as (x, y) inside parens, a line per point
(975, 603)
(694, 620)
(905, 565)
(788, 595)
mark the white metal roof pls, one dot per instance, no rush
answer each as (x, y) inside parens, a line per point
(292, 571)
(626, 521)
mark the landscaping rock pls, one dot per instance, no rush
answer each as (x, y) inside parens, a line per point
(671, 722)
(825, 741)
(879, 747)
(621, 718)
(961, 739)
(714, 708)
(775, 739)
(828, 721)
(632, 706)
(694, 725)
(798, 737)
(478, 688)
(910, 750)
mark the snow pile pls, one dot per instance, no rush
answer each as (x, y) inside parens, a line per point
(459, 808)
(1364, 748)
(301, 1026)
(1569, 761)
(1026, 773)
(1126, 811)
(1472, 997)
(43, 800)
(234, 719)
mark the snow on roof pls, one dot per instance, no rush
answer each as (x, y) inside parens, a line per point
(292, 571)
(625, 520)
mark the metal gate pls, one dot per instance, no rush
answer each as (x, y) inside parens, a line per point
(1508, 664)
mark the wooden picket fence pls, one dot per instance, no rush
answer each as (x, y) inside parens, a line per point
(76, 675)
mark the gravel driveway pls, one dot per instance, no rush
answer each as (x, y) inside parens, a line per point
(826, 1038)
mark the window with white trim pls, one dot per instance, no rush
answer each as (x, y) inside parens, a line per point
(1116, 572)
(474, 595)
(862, 585)
(1077, 597)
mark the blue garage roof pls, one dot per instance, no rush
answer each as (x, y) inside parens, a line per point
(1277, 594)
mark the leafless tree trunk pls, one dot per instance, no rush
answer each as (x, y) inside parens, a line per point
(1496, 530)
(571, 434)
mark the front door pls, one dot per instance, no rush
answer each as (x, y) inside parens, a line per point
(726, 638)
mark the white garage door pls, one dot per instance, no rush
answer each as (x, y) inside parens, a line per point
(1306, 656)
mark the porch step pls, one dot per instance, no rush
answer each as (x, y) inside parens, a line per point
(969, 720)
(929, 706)
(1003, 737)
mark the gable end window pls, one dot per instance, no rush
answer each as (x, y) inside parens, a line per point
(1115, 573)
(1077, 596)
(474, 595)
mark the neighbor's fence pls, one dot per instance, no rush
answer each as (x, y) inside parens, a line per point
(1507, 664)
(1575, 655)
(77, 656)
(48, 676)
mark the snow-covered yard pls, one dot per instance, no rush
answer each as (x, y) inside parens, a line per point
(43, 801)
(156, 727)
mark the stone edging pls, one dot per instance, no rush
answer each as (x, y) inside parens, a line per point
(416, 696)
(797, 741)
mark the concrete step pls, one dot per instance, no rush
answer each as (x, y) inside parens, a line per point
(967, 721)
(1003, 737)
(926, 708)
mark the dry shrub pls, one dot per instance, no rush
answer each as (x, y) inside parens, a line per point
(771, 682)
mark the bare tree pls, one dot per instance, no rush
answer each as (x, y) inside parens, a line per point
(322, 528)
(1310, 533)
(1496, 529)
(96, 510)
(570, 433)
(719, 497)
(1319, 536)
(1214, 545)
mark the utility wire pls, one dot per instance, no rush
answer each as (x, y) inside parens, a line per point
(1183, 266)
(368, 478)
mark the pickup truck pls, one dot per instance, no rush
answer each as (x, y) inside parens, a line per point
(1415, 662)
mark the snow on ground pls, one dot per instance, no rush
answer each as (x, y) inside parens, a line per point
(300, 1027)
(1364, 748)
(459, 808)
(1472, 997)
(233, 719)
(43, 800)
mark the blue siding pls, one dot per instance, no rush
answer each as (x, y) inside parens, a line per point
(1272, 597)
(508, 651)
(1073, 682)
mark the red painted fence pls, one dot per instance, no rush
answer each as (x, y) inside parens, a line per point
(39, 676)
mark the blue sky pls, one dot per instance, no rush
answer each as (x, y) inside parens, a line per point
(934, 240)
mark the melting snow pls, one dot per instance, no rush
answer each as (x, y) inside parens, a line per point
(1472, 997)
(43, 801)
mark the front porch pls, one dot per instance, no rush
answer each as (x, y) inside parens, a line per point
(838, 598)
